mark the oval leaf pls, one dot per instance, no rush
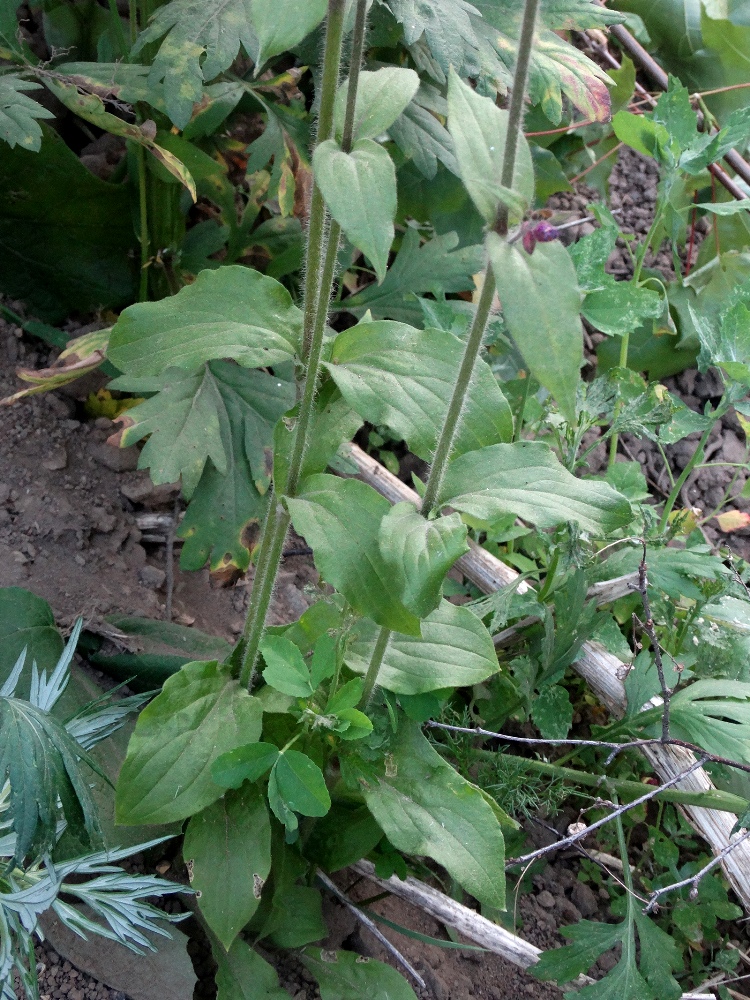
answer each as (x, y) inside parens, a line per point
(381, 98)
(201, 713)
(285, 670)
(233, 312)
(527, 480)
(297, 785)
(455, 650)
(479, 129)
(229, 845)
(400, 377)
(246, 763)
(541, 306)
(281, 24)
(360, 191)
(345, 975)
(419, 553)
(340, 520)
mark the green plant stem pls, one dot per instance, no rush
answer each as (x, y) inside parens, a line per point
(277, 523)
(515, 108)
(355, 65)
(522, 409)
(460, 391)
(143, 235)
(133, 18)
(680, 482)
(376, 661)
(629, 790)
(452, 419)
(614, 440)
(316, 234)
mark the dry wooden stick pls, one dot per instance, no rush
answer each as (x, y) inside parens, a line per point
(604, 673)
(470, 924)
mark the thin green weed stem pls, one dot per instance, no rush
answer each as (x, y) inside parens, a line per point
(376, 661)
(680, 481)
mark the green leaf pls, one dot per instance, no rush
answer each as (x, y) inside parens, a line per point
(541, 305)
(18, 113)
(421, 136)
(297, 785)
(425, 807)
(285, 669)
(381, 97)
(725, 342)
(234, 312)
(243, 975)
(455, 650)
(201, 713)
(345, 975)
(360, 191)
(725, 207)
(228, 852)
(202, 40)
(296, 918)
(552, 713)
(66, 236)
(345, 835)
(402, 378)
(715, 715)
(41, 762)
(323, 662)
(527, 480)
(570, 15)
(282, 24)
(340, 520)
(246, 763)
(590, 940)
(621, 306)
(92, 109)
(479, 129)
(26, 622)
(419, 553)
(214, 428)
(446, 26)
(435, 266)
(640, 132)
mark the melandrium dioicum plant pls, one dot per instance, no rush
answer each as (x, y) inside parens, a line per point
(303, 751)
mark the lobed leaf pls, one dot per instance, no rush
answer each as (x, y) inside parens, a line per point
(19, 113)
(233, 312)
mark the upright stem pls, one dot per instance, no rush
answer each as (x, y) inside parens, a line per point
(318, 283)
(316, 236)
(376, 661)
(355, 64)
(143, 236)
(680, 482)
(515, 108)
(460, 391)
(452, 420)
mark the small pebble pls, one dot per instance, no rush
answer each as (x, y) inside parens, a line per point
(152, 577)
(546, 899)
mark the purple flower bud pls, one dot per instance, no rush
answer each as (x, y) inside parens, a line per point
(539, 232)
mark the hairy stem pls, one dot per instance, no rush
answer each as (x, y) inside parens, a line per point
(316, 235)
(143, 236)
(452, 420)
(321, 278)
(376, 661)
(515, 108)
